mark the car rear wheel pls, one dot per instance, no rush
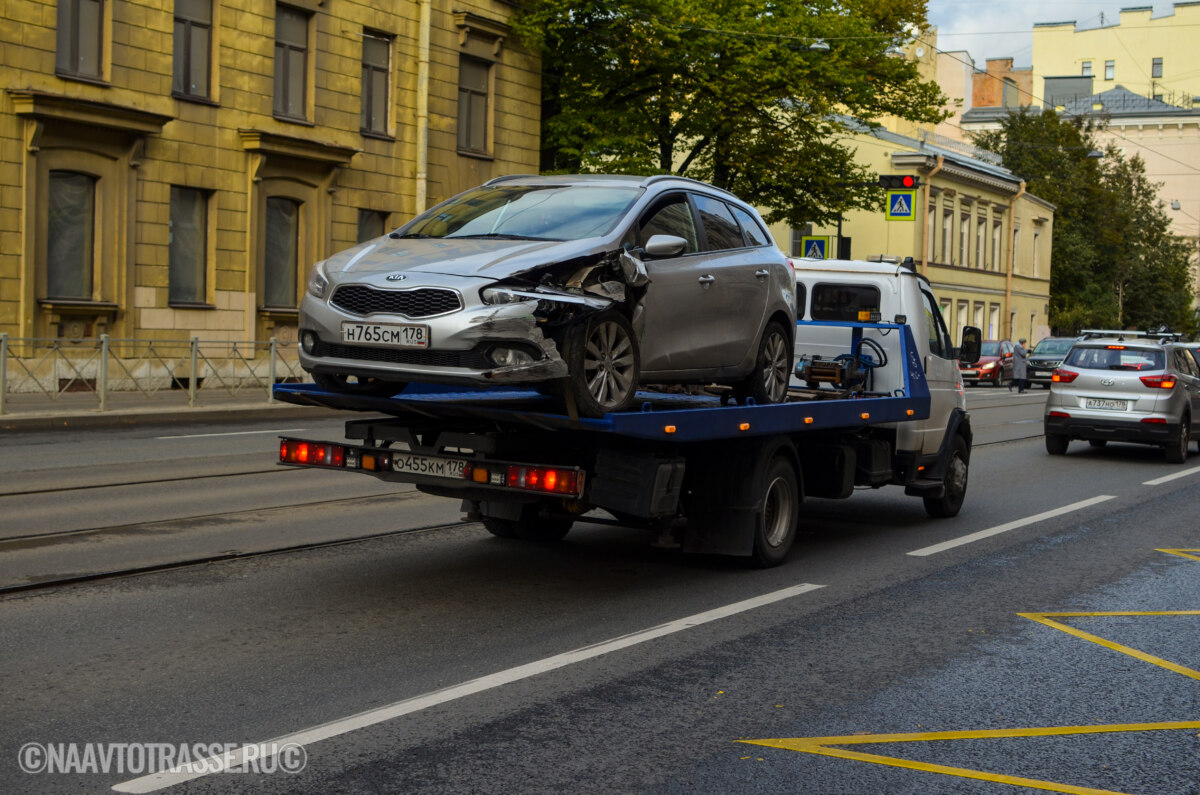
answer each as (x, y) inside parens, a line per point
(768, 382)
(1177, 449)
(357, 385)
(1098, 442)
(604, 364)
(1056, 444)
(775, 524)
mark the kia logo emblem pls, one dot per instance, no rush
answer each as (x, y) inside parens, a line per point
(396, 277)
(1108, 382)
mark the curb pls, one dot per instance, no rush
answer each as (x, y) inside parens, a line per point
(95, 419)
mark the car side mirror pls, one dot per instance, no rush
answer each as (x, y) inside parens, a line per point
(972, 343)
(664, 245)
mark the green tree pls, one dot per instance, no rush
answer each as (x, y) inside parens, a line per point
(1115, 263)
(727, 91)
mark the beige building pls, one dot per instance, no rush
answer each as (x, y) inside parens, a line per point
(983, 241)
(170, 170)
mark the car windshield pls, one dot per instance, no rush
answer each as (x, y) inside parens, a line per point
(1116, 357)
(989, 349)
(527, 212)
(1054, 346)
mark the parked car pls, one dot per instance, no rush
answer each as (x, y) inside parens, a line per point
(1046, 356)
(994, 366)
(1136, 390)
(584, 286)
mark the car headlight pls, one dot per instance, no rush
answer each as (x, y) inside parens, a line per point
(318, 280)
(501, 295)
(989, 366)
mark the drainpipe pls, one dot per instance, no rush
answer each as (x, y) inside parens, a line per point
(422, 154)
(1012, 225)
(929, 225)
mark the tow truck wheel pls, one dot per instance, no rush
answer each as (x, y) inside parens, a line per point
(357, 385)
(775, 526)
(768, 382)
(604, 364)
(955, 481)
(532, 526)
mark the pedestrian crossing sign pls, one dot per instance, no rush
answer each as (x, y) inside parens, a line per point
(814, 247)
(900, 205)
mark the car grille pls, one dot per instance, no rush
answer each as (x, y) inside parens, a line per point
(360, 299)
(473, 359)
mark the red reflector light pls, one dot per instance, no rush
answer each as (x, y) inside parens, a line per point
(1159, 381)
(294, 452)
(1059, 414)
(1061, 376)
(547, 479)
(1156, 420)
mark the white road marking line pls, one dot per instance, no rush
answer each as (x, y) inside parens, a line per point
(1167, 478)
(231, 433)
(1004, 528)
(183, 773)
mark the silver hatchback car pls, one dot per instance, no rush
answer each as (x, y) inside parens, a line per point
(584, 286)
(1134, 390)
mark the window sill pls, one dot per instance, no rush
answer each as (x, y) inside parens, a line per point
(377, 135)
(475, 155)
(76, 306)
(279, 312)
(294, 120)
(189, 305)
(91, 81)
(196, 100)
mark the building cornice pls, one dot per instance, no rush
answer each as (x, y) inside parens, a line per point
(45, 106)
(269, 143)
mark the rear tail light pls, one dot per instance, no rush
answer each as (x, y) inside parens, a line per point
(1059, 414)
(1164, 381)
(546, 479)
(1061, 376)
(319, 454)
(1155, 420)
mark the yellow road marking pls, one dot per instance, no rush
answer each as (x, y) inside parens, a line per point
(1183, 553)
(822, 746)
(1045, 618)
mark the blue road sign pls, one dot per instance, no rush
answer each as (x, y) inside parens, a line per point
(900, 205)
(815, 247)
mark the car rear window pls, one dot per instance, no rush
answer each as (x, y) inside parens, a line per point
(1054, 345)
(1115, 357)
(843, 301)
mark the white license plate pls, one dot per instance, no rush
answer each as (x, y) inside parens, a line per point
(393, 335)
(1104, 403)
(428, 465)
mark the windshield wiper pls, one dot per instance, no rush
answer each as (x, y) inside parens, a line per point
(501, 236)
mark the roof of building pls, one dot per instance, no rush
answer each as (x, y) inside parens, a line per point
(1117, 102)
(953, 151)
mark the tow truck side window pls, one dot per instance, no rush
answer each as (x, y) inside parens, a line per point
(939, 338)
(843, 301)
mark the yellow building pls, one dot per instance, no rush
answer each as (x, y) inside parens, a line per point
(170, 170)
(971, 228)
(1155, 57)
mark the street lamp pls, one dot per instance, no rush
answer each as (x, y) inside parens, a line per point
(820, 45)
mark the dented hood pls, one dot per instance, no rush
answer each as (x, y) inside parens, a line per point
(468, 257)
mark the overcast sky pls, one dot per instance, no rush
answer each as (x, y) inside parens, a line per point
(1002, 28)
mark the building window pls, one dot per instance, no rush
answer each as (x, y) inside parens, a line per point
(997, 225)
(1087, 69)
(962, 319)
(376, 57)
(931, 230)
(977, 318)
(1110, 70)
(947, 234)
(980, 250)
(291, 62)
(993, 329)
(80, 27)
(282, 250)
(1156, 67)
(473, 83)
(71, 235)
(371, 224)
(188, 250)
(193, 44)
(1016, 247)
(964, 245)
(1036, 236)
(1011, 96)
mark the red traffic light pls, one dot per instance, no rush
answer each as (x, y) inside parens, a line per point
(899, 181)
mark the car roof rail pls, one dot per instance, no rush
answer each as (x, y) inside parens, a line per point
(506, 177)
(674, 177)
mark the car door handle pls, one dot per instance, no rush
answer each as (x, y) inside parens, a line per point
(762, 273)
(706, 280)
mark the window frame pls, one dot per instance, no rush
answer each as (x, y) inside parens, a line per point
(66, 64)
(369, 125)
(1156, 68)
(88, 275)
(380, 215)
(1086, 69)
(467, 92)
(185, 59)
(279, 101)
(291, 269)
(1110, 70)
(200, 297)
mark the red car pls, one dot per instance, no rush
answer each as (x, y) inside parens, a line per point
(994, 366)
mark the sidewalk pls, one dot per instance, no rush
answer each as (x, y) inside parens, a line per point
(39, 412)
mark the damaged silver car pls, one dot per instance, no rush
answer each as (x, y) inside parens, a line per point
(584, 286)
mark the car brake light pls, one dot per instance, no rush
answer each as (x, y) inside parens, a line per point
(1155, 420)
(1061, 376)
(292, 451)
(1164, 381)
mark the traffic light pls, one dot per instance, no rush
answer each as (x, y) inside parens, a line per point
(899, 182)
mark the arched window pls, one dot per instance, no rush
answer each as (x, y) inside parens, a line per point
(70, 235)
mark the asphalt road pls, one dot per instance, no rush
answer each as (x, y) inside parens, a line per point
(447, 660)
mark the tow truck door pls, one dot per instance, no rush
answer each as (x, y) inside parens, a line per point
(941, 373)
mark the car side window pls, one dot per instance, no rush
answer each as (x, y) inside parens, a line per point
(671, 216)
(720, 228)
(939, 338)
(754, 233)
(843, 301)
(801, 300)
(1183, 362)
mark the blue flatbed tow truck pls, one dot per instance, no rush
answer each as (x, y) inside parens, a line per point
(704, 474)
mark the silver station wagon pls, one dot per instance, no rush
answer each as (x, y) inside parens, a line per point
(1135, 390)
(580, 286)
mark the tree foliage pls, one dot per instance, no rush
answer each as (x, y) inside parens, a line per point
(1115, 263)
(727, 91)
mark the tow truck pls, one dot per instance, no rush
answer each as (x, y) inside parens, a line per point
(699, 471)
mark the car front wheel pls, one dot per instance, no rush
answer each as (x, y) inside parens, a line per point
(603, 363)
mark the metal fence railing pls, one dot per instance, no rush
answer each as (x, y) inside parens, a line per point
(50, 368)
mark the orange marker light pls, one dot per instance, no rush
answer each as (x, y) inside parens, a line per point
(745, 426)
(669, 429)
(865, 416)
(910, 412)
(808, 420)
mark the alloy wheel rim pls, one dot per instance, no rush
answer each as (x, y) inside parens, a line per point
(608, 364)
(774, 374)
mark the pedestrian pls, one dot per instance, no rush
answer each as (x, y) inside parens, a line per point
(1020, 375)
